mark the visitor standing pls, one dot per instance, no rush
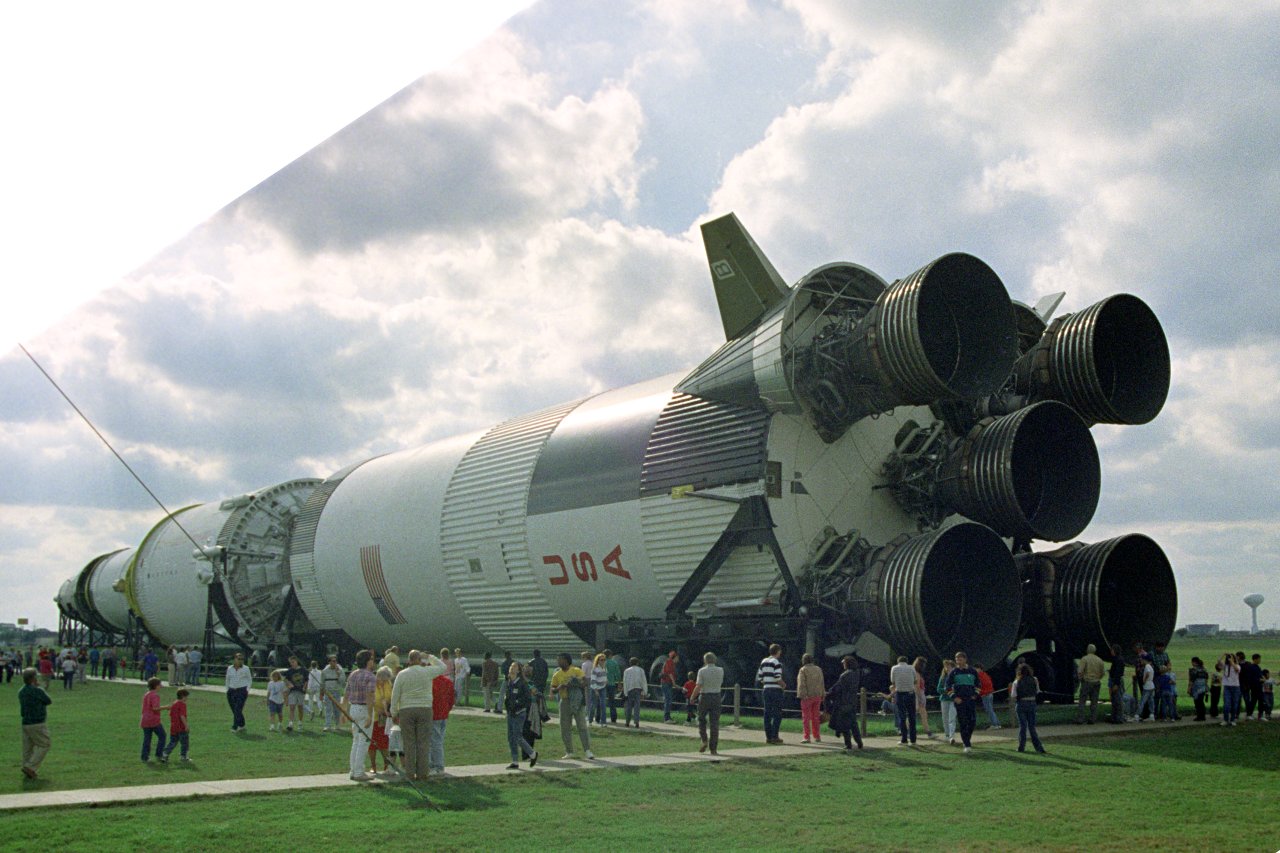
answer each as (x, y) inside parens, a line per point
(772, 685)
(194, 658)
(1198, 686)
(708, 685)
(667, 683)
(411, 698)
(810, 690)
(313, 690)
(443, 696)
(946, 703)
(902, 678)
(540, 671)
(1215, 689)
(1230, 689)
(1024, 691)
(1148, 703)
(333, 681)
(987, 693)
(33, 703)
(68, 671)
(1250, 684)
(1115, 685)
(95, 657)
(362, 686)
(461, 676)
(180, 666)
(922, 699)
(633, 687)
(1090, 674)
(842, 702)
(295, 677)
(238, 681)
(599, 683)
(613, 682)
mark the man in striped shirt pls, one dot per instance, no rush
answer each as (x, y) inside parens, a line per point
(360, 688)
(769, 676)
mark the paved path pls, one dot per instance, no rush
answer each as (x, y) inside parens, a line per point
(728, 734)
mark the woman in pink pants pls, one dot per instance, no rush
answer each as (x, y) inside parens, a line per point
(810, 689)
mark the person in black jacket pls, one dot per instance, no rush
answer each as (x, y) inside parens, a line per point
(517, 702)
(842, 703)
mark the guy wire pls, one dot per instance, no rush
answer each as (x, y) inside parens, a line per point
(103, 439)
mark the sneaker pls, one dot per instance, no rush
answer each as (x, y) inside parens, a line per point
(590, 755)
(28, 772)
(289, 727)
(703, 748)
(361, 777)
(968, 749)
(568, 756)
(806, 740)
(1224, 723)
(513, 766)
(995, 726)
(533, 759)
(186, 760)
(163, 759)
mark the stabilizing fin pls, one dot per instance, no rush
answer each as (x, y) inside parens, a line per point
(746, 283)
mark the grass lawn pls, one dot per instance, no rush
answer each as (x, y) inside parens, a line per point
(1145, 791)
(97, 742)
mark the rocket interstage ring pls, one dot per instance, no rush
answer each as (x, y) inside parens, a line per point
(1034, 474)
(955, 589)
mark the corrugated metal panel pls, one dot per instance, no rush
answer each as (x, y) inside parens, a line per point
(483, 521)
(302, 548)
(678, 533)
(704, 443)
(750, 572)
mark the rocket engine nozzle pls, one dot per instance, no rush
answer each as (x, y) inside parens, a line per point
(1109, 362)
(955, 589)
(1119, 591)
(944, 332)
(1033, 474)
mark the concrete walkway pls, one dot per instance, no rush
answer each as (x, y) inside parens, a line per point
(728, 734)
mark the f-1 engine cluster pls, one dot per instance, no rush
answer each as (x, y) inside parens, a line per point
(863, 465)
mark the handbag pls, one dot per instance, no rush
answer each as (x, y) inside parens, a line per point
(824, 717)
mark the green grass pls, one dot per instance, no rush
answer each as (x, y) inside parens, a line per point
(97, 742)
(1122, 792)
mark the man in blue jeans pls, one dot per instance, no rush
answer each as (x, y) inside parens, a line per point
(902, 677)
(769, 677)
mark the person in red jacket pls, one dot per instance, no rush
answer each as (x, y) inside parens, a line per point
(986, 692)
(442, 699)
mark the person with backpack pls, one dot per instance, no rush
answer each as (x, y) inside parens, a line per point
(571, 686)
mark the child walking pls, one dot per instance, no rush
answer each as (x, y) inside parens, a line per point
(275, 700)
(179, 733)
(151, 722)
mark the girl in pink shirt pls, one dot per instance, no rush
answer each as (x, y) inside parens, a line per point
(151, 722)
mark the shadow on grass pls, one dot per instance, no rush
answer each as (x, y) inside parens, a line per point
(1243, 747)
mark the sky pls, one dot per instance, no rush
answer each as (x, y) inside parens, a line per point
(518, 228)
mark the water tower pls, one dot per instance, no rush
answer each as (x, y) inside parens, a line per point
(1254, 601)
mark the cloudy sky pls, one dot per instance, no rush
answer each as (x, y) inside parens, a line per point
(520, 228)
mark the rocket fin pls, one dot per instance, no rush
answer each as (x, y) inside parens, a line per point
(745, 281)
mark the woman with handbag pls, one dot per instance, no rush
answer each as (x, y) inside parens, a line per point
(842, 703)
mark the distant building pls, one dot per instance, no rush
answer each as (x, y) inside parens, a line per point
(1202, 630)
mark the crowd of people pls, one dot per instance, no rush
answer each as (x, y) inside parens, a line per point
(399, 711)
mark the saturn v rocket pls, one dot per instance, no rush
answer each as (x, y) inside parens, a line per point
(863, 465)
